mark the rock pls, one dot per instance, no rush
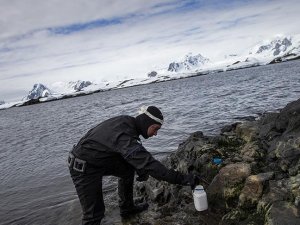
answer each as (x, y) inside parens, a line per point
(228, 183)
(282, 213)
(122, 83)
(229, 128)
(253, 189)
(231, 175)
(191, 62)
(248, 131)
(289, 117)
(278, 191)
(237, 62)
(174, 67)
(294, 169)
(276, 46)
(156, 193)
(246, 118)
(295, 185)
(297, 201)
(253, 151)
(288, 149)
(238, 217)
(152, 74)
(31, 102)
(78, 85)
(233, 217)
(38, 91)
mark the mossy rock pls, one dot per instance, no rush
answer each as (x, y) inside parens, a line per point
(240, 217)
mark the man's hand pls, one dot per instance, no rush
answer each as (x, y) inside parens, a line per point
(192, 180)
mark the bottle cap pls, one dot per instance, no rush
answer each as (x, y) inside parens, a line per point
(217, 161)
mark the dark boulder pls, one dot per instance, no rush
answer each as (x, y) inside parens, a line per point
(152, 74)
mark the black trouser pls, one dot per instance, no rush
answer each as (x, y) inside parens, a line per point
(89, 187)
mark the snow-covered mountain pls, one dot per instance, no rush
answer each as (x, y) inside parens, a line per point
(190, 62)
(59, 88)
(70, 87)
(275, 50)
(79, 85)
(276, 47)
(2, 102)
(279, 46)
(38, 91)
(290, 54)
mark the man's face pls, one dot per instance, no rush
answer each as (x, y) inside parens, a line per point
(152, 130)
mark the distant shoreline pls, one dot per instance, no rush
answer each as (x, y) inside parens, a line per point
(80, 94)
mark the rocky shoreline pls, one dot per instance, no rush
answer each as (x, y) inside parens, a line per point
(257, 182)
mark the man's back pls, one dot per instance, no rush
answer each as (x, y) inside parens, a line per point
(102, 140)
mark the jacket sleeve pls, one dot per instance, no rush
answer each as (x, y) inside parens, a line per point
(144, 163)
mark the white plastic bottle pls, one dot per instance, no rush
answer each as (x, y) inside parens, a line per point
(200, 198)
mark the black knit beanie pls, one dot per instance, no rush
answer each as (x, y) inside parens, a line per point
(143, 121)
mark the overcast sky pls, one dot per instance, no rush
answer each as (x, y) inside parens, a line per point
(98, 40)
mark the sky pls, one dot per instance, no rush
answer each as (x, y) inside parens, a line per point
(110, 40)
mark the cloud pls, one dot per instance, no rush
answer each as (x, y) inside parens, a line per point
(23, 16)
(48, 41)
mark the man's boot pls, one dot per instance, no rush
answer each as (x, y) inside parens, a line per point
(133, 210)
(127, 206)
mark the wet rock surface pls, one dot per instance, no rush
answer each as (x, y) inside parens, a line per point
(257, 181)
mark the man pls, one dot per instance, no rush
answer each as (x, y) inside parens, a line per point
(113, 148)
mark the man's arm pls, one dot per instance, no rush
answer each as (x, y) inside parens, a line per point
(144, 163)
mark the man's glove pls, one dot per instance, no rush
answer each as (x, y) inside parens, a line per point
(192, 180)
(142, 177)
